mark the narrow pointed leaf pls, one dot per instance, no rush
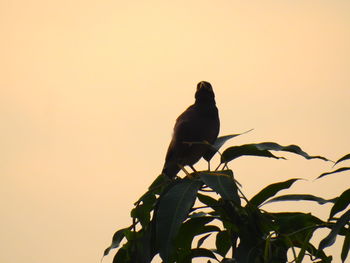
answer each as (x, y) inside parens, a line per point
(346, 247)
(304, 247)
(342, 202)
(345, 157)
(263, 149)
(221, 183)
(220, 141)
(117, 238)
(223, 243)
(191, 228)
(121, 256)
(300, 197)
(330, 239)
(270, 191)
(202, 252)
(199, 214)
(290, 148)
(173, 209)
(234, 152)
(207, 200)
(296, 225)
(333, 172)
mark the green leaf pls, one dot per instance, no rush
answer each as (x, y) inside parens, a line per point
(144, 207)
(142, 211)
(220, 141)
(223, 243)
(186, 235)
(263, 149)
(304, 247)
(173, 209)
(270, 191)
(346, 246)
(191, 228)
(342, 202)
(333, 172)
(338, 226)
(222, 184)
(290, 148)
(117, 238)
(300, 197)
(155, 188)
(234, 152)
(207, 200)
(202, 252)
(296, 226)
(267, 249)
(199, 214)
(121, 256)
(345, 157)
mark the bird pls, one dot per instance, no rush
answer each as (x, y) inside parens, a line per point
(197, 126)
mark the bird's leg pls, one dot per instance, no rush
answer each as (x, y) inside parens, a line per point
(194, 170)
(183, 169)
(192, 175)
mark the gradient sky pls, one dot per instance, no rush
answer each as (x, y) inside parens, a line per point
(90, 90)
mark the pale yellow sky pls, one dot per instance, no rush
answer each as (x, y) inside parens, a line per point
(90, 91)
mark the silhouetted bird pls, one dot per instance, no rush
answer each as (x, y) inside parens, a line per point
(198, 123)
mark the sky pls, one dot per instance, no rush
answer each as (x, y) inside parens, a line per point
(90, 90)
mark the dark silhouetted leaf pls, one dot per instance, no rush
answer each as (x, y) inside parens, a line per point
(173, 209)
(345, 157)
(270, 191)
(222, 184)
(202, 252)
(263, 149)
(346, 246)
(296, 226)
(223, 243)
(207, 200)
(342, 202)
(338, 226)
(117, 238)
(121, 256)
(190, 229)
(301, 197)
(202, 239)
(290, 148)
(220, 141)
(199, 214)
(333, 172)
(143, 209)
(234, 152)
(305, 244)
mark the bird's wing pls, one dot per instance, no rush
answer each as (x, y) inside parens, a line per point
(186, 126)
(183, 132)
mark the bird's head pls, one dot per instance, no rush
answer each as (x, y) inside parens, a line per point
(204, 92)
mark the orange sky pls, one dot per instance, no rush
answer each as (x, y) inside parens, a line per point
(90, 91)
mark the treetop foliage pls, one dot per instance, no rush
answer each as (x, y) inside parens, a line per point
(174, 218)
